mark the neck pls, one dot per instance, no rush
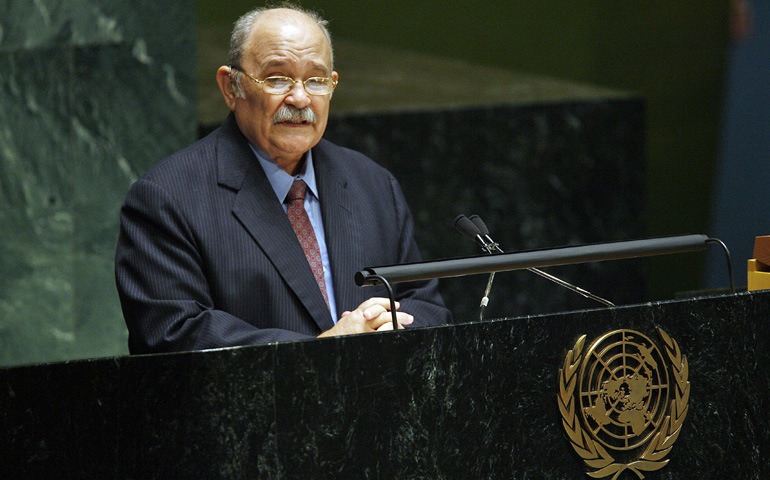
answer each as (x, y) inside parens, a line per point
(292, 166)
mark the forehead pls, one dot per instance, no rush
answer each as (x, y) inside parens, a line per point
(288, 39)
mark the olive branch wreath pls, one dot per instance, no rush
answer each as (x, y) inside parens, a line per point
(594, 454)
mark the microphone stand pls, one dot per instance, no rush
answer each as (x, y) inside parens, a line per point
(475, 228)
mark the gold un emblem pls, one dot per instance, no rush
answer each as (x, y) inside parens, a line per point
(623, 402)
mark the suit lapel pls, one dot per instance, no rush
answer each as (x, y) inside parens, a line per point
(342, 232)
(262, 215)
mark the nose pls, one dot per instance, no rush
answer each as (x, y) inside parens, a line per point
(297, 96)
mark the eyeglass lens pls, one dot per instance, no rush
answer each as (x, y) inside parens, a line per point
(313, 86)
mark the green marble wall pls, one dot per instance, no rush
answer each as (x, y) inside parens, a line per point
(92, 92)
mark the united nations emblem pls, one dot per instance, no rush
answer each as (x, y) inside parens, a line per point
(623, 402)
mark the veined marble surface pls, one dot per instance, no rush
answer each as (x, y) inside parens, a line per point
(473, 400)
(91, 94)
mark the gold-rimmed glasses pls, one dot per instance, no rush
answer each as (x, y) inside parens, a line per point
(280, 85)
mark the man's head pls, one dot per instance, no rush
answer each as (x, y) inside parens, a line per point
(285, 42)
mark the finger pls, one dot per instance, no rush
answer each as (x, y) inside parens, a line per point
(389, 327)
(383, 302)
(386, 318)
(373, 312)
(405, 319)
(383, 318)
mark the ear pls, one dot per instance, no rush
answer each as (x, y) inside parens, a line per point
(335, 78)
(226, 86)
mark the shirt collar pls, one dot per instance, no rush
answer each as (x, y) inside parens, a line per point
(280, 180)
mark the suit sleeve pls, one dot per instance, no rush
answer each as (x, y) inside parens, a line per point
(421, 299)
(163, 290)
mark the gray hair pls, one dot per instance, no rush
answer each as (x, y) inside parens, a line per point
(242, 29)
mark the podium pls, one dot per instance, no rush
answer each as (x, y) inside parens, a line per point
(470, 400)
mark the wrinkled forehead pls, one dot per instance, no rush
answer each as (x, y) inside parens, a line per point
(288, 34)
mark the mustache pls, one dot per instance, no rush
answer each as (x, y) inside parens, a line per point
(290, 113)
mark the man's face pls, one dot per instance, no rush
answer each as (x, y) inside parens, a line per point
(289, 45)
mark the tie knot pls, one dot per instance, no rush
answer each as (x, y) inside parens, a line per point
(297, 191)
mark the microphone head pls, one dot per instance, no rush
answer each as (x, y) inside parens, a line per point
(480, 225)
(466, 227)
(457, 219)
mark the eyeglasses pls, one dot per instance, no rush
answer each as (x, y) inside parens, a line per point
(280, 85)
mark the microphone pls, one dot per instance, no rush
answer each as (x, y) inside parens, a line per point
(466, 226)
(470, 229)
(475, 228)
(484, 231)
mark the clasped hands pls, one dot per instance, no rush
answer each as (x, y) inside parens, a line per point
(373, 315)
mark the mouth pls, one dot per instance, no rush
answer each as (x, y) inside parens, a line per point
(295, 122)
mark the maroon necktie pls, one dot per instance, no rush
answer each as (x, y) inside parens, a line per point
(305, 234)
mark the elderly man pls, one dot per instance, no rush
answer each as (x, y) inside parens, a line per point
(253, 234)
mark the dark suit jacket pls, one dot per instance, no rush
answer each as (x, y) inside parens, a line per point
(207, 258)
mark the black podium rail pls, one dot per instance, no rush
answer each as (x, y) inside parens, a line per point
(531, 259)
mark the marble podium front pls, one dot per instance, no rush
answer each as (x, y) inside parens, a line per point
(473, 400)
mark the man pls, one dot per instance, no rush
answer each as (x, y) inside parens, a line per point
(208, 254)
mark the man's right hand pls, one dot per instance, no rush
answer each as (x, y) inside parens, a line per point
(371, 316)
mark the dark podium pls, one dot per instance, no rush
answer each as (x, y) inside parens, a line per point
(466, 401)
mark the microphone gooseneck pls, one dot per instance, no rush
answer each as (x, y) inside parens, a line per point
(728, 258)
(480, 233)
(470, 228)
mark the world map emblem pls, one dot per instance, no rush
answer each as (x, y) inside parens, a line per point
(623, 401)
